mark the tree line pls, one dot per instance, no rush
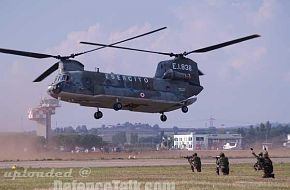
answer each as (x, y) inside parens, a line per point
(264, 133)
(70, 141)
(81, 136)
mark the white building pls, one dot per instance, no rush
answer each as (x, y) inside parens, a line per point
(206, 141)
(183, 141)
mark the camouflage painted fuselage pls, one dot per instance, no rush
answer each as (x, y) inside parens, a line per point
(174, 83)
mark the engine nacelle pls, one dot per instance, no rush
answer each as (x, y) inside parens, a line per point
(175, 75)
(70, 65)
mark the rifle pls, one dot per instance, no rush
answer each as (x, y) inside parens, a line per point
(190, 162)
(217, 171)
(188, 158)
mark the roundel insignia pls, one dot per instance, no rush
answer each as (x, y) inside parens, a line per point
(142, 95)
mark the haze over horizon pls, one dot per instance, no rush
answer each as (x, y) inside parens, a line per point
(246, 83)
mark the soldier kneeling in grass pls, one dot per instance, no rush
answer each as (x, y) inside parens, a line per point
(222, 163)
(194, 162)
(264, 163)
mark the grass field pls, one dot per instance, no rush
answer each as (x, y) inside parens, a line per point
(242, 176)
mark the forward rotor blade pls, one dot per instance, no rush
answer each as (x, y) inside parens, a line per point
(221, 45)
(132, 49)
(138, 36)
(47, 72)
(26, 53)
(200, 73)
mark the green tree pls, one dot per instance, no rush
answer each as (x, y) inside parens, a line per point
(268, 130)
(149, 140)
(134, 138)
(72, 140)
(175, 130)
(119, 138)
(262, 133)
(251, 135)
(88, 141)
(242, 132)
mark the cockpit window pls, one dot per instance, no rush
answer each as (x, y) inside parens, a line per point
(60, 78)
(56, 79)
(65, 78)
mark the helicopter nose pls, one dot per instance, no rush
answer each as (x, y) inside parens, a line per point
(55, 89)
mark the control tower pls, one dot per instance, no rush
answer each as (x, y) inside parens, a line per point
(42, 115)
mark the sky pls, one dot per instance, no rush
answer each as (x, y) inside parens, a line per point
(244, 84)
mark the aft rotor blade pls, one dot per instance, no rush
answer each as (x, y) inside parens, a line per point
(47, 73)
(221, 45)
(138, 36)
(26, 53)
(132, 49)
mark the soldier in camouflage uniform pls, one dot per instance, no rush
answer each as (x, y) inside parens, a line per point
(217, 165)
(223, 164)
(196, 162)
(190, 161)
(268, 166)
(265, 164)
(259, 165)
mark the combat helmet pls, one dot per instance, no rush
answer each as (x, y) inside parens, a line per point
(222, 154)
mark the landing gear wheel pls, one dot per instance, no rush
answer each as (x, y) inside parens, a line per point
(117, 106)
(184, 109)
(98, 115)
(163, 117)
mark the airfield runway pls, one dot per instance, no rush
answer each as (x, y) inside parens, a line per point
(122, 163)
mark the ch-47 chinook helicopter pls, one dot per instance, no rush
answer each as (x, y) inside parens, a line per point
(174, 86)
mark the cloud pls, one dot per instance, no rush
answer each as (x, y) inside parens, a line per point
(71, 43)
(96, 33)
(266, 12)
(217, 24)
(110, 59)
(243, 64)
(249, 57)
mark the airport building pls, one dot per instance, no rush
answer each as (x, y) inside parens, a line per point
(183, 141)
(108, 133)
(193, 141)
